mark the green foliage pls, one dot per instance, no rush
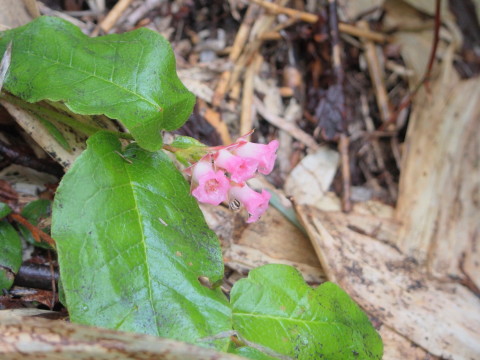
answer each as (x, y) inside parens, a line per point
(188, 150)
(56, 134)
(10, 254)
(4, 210)
(276, 309)
(130, 77)
(132, 244)
(252, 353)
(34, 212)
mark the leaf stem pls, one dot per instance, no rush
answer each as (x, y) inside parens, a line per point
(67, 120)
(170, 148)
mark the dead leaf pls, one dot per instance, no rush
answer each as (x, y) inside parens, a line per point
(311, 178)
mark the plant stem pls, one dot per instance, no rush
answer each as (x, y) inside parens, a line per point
(170, 148)
(64, 119)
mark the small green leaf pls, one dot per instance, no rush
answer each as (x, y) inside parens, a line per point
(187, 142)
(188, 150)
(10, 254)
(4, 210)
(34, 212)
(56, 134)
(275, 308)
(132, 244)
(130, 77)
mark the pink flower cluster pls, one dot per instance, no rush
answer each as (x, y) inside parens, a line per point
(221, 175)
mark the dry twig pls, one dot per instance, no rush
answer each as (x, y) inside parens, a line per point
(376, 76)
(312, 18)
(289, 127)
(344, 141)
(248, 111)
(111, 19)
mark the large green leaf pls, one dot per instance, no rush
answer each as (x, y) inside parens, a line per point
(10, 254)
(130, 77)
(251, 353)
(132, 244)
(276, 309)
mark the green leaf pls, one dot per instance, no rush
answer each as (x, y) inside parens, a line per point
(276, 309)
(10, 254)
(132, 244)
(251, 353)
(187, 142)
(34, 212)
(188, 150)
(130, 77)
(56, 134)
(4, 210)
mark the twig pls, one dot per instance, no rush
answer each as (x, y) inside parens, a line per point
(45, 10)
(343, 146)
(262, 25)
(243, 31)
(436, 37)
(433, 53)
(289, 127)
(363, 33)
(274, 34)
(214, 118)
(38, 235)
(277, 9)
(237, 47)
(248, 111)
(111, 19)
(376, 148)
(344, 141)
(52, 276)
(32, 7)
(312, 18)
(377, 76)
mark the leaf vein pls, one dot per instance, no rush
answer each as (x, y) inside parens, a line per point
(155, 105)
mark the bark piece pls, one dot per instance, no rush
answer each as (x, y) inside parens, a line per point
(439, 201)
(32, 338)
(441, 317)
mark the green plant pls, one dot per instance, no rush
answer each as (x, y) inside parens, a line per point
(132, 243)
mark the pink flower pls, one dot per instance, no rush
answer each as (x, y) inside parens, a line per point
(264, 154)
(255, 203)
(212, 186)
(240, 169)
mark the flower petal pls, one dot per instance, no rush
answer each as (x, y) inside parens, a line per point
(255, 203)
